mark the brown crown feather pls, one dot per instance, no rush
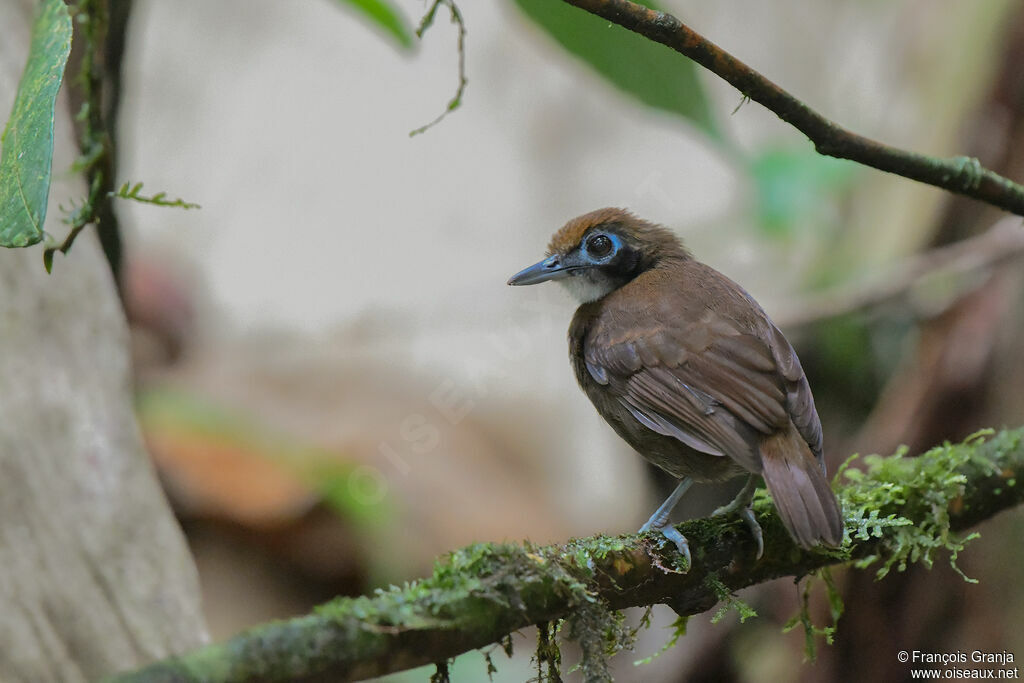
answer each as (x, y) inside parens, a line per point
(650, 237)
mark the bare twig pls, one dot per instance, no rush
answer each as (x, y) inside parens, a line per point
(1000, 243)
(962, 175)
(457, 19)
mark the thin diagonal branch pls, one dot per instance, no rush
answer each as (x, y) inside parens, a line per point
(962, 175)
(901, 509)
(1002, 242)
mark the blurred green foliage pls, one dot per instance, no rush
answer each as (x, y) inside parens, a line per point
(793, 184)
(196, 422)
(845, 361)
(385, 16)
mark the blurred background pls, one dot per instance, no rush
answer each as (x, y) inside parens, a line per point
(337, 386)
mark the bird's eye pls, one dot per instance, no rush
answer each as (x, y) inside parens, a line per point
(599, 246)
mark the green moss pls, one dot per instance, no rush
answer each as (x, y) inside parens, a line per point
(678, 631)
(548, 655)
(729, 602)
(803, 618)
(470, 586)
(601, 634)
(925, 488)
(882, 500)
(583, 554)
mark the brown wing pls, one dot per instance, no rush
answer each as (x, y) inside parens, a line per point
(713, 386)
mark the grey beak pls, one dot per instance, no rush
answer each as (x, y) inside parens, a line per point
(548, 269)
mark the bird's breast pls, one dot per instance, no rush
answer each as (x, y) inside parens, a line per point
(666, 452)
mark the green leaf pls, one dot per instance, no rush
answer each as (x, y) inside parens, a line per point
(651, 73)
(385, 16)
(27, 143)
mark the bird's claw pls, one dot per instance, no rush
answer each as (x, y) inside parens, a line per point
(672, 534)
(755, 529)
(740, 505)
(747, 515)
(659, 520)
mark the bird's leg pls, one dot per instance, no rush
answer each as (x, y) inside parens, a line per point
(741, 506)
(742, 500)
(659, 520)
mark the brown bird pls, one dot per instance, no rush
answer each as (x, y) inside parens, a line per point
(690, 371)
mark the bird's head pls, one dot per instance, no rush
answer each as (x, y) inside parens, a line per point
(598, 252)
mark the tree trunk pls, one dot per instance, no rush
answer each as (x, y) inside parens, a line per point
(94, 571)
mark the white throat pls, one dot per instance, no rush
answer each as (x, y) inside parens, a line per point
(587, 287)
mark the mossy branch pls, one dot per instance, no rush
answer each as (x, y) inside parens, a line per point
(897, 510)
(962, 175)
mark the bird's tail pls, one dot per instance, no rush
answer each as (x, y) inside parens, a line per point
(800, 490)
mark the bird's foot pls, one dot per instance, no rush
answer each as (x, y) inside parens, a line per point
(741, 505)
(747, 515)
(734, 508)
(755, 529)
(659, 520)
(669, 532)
(672, 534)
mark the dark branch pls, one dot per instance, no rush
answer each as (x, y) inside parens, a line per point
(483, 592)
(961, 175)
